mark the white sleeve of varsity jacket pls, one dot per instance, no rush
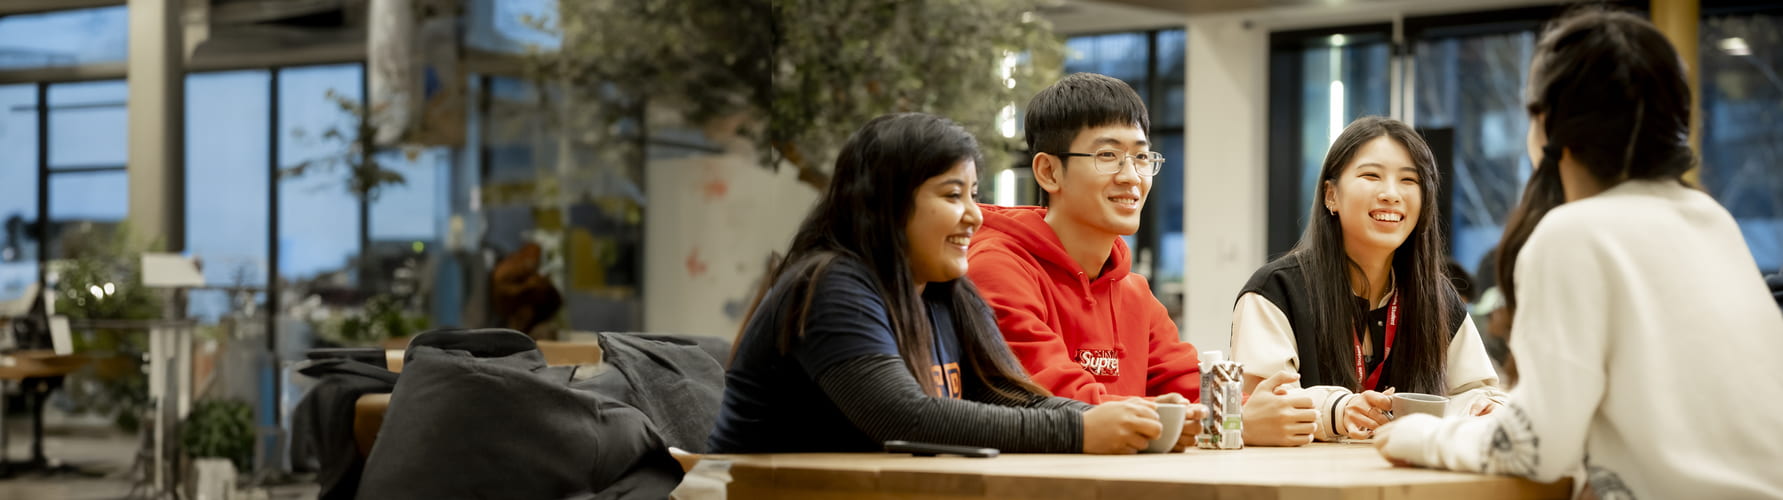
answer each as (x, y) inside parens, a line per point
(1471, 377)
(1262, 339)
(1264, 342)
(1559, 341)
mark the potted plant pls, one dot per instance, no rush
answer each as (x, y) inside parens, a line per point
(218, 435)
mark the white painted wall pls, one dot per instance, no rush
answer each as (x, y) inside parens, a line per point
(1225, 203)
(712, 221)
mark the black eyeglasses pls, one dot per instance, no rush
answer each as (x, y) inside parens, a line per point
(1108, 161)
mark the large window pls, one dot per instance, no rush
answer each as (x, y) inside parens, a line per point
(586, 211)
(1152, 62)
(319, 218)
(1742, 124)
(18, 189)
(1319, 81)
(89, 187)
(227, 139)
(1469, 90)
(64, 38)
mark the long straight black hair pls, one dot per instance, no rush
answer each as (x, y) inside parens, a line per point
(1609, 89)
(1424, 291)
(861, 217)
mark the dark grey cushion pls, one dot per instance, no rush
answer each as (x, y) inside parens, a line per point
(477, 414)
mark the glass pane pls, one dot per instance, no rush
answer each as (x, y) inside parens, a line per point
(409, 222)
(87, 124)
(1119, 55)
(1167, 109)
(1742, 141)
(65, 38)
(318, 215)
(414, 211)
(1167, 194)
(18, 188)
(497, 26)
(227, 217)
(86, 203)
(1341, 77)
(1473, 86)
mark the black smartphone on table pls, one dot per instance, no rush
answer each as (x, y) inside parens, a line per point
(932, 449)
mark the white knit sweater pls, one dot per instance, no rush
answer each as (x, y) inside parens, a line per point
(1646, 344)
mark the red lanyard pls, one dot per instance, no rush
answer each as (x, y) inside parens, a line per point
(1392, 329)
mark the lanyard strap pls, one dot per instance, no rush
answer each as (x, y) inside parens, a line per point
(1372, 380)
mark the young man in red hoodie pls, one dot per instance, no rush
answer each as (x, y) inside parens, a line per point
(1083, 325)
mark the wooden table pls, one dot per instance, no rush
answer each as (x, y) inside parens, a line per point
(1318, 471)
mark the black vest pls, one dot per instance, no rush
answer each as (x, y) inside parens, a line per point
(1283, 283)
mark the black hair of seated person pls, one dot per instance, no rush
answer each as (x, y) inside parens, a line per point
(1608, 89)
(1079, 101)
(1463, 281)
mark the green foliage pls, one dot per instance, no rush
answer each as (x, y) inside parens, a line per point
(103, 281)
(220, 428)
(382, 317)
(103, 277)
(366, 174)
(842, 63)
(815, 70)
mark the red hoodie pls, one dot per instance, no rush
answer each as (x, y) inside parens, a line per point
(1087, 340)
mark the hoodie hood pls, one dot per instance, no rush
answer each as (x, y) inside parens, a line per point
(1027, 228)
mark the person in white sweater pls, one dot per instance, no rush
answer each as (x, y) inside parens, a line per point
(1642, 337)
(1363, 305)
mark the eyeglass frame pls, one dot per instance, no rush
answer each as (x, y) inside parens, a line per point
(1156, 165)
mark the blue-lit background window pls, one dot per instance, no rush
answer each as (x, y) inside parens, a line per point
(64, 38)
(318, 215)
(1742, 126)
(227, 136)
(1473, 85)
(18, 189)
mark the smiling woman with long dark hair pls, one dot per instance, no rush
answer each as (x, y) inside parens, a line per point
(1364, 304)
(1641, 335)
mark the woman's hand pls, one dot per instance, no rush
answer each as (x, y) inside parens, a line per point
(1365, 412)
(1273, 417)
(1120, 427)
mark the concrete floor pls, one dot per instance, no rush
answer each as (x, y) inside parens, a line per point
(99, 450)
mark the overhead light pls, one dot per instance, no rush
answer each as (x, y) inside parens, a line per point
(1338, 40)
(1006, 121)
(1337, 115)
(1735, 46)
(1006, 188)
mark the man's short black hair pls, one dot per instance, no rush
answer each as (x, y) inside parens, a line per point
(1077, 102)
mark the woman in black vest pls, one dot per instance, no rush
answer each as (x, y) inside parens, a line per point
(1362, 306)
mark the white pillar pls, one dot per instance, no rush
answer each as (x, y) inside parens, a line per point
(156, 107)
(1227, 172)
